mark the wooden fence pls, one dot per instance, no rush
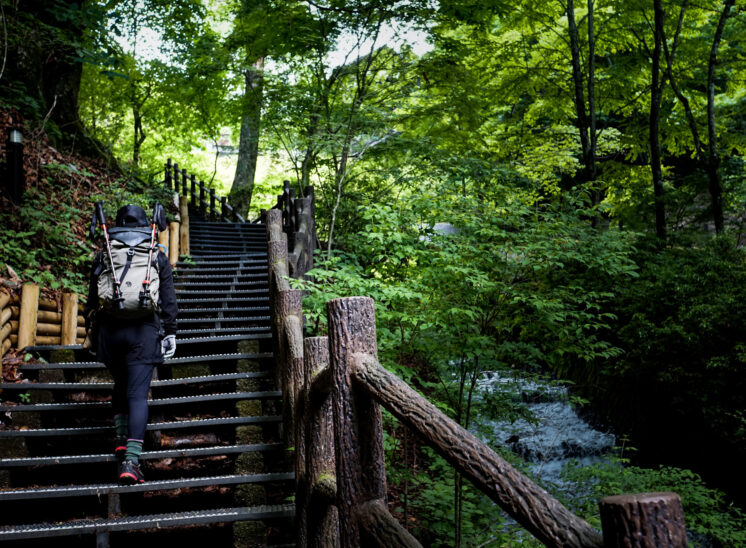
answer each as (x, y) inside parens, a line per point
(199, 196)
(333, 392)
(30, 319)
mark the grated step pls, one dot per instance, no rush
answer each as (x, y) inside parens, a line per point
(195, 452)
(108, 385)
(169, 361)
(158, 402)
(153, 521)
(179, 425)
(161, 485)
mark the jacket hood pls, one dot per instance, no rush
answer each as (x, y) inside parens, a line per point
(131, 216)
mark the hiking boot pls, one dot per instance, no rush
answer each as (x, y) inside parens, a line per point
(120, 448)
(130, 473)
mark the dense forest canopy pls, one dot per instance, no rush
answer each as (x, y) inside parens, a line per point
(588, 158)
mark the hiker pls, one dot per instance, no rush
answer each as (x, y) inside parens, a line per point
(132, 312)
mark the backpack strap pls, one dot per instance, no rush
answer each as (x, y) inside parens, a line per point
(128, 264)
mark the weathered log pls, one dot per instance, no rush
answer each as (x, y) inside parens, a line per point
(322, 381)
(358, 434)
(69, 318)
(173, 245)
(4, 347)
(44, 339)
(647, 520)
(184, 228)
(48, 329)
(48, 316)
(27, 319)
(536, 510)
(4, 299)
(15, 312)
(322, 518)
(5, 331)
(164, 238)
(48, 304)
(5, 316)
(290, 335)
(379, 528)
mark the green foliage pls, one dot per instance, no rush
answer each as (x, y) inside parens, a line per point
(707, 511)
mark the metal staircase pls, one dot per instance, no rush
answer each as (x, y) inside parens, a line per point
(212, 454)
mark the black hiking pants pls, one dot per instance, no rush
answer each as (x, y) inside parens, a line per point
(130, 350)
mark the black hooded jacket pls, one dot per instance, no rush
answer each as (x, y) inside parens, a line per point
(132, 216)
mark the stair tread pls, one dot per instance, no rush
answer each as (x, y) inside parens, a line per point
(175, 425)
(151, 521)
(169, 361)
(146, 455)
(156, 383)
(158, 485)
(157, 402)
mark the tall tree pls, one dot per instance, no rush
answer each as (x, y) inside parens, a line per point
(656, 92)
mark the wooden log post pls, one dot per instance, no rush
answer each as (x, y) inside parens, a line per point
(164, 239)
(193, 190)
(168, 174)
(173, 245)
(202, 199)
(69, 318)
(184, 227)
(287, 307)
(358, 431)
(319, 510)
(536, 510)
(183, 182)
(647, 520)
(213, 210)
(27, 319)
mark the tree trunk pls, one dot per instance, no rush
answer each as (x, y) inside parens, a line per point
(577, 80)
(713, 157)
(656, 92)
(248, 148)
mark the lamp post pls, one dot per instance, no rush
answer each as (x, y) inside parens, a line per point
(15, 176)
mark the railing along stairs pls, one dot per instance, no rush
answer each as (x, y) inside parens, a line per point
(239, 315)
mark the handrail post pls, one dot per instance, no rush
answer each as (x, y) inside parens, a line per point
(193, 189)
(168, 174)
(318, 509)
(69, 331)
(641, 520)
(28, 316)
(183, 182)
(223, 209)
(358, 433)
(213, 209)
(202, 199)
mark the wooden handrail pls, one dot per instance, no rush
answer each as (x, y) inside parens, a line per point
(334, 388)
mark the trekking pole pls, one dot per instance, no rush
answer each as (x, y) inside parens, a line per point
(158, 221)
(99, 213)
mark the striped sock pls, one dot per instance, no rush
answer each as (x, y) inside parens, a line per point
(121, 423)
(134, 448)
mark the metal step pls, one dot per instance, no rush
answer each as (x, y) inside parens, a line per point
(218, 319)
(194, 452)
(79, 386)
(177, 425)
(222, 292)
(111, 488)
(158, 402)
(169, 361)
(259, 329)
(216, 310)
(206, 340)
(185, 302)
(153, 521)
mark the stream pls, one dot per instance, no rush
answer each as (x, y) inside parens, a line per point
(558, 435)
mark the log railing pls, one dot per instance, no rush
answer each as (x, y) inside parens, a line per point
(298, 223)
(334, 389)
(30, 319)
(200, 197)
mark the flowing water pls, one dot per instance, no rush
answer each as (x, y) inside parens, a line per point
(557, 433)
